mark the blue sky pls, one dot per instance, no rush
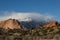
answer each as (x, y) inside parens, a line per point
(50, 7)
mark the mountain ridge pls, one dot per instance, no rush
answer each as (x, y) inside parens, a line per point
(15, 24)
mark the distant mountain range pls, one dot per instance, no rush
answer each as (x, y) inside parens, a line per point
(33, 24)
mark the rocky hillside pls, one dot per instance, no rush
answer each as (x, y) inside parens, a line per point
(48, 30)
(14, 24)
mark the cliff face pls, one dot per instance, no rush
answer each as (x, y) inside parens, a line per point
(51, 24)
(11, 24)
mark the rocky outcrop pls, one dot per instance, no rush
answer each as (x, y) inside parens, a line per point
(11, 24)
(51, 24)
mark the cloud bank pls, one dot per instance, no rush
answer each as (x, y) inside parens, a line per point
(26, 16)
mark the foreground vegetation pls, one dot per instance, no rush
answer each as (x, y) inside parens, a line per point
(52, 33)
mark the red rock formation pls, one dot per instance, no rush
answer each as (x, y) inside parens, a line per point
(11, 24)
(51, 24)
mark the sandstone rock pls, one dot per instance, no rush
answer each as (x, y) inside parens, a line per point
(11, 24)
(51, 24)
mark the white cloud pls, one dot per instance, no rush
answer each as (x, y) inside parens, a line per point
(26, 16)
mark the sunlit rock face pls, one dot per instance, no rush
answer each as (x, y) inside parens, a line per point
(51, 24)
(11, 24)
